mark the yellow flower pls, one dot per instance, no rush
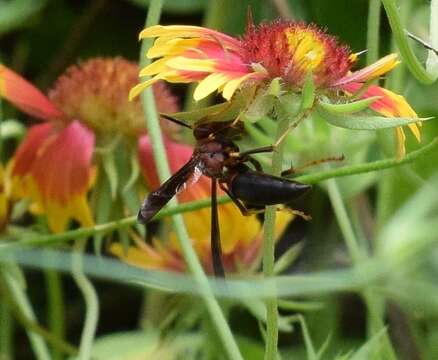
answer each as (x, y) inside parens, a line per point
(281, 49)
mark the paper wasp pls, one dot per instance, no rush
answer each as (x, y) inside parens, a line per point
(218, 157)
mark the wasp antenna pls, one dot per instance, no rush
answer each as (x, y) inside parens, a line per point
(176, 121)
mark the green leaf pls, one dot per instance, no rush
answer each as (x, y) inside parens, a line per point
(371, 346)
(14, 14)
(12, 129)
(102, 203)
(145, 344)
(109, 166)
(308, 92)
(258, 309)
(348, 108)
(365, 122)
(220, 112)
(287, 258)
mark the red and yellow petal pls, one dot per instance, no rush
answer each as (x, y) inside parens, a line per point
(166, 33)
(25, 96)
(55, 171)
(373, 71)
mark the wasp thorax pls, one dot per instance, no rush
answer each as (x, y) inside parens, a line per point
(212, 156)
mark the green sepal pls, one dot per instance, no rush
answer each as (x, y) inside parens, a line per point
(109, 166)
(350, 107)
(102, 202)
(220, 112)
(308, 94)
(365, 122)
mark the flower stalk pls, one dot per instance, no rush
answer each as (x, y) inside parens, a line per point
(373, 28)
(193, 263)
(268, 241)
(408, 55)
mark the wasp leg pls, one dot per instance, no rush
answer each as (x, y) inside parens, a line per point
(176, 121)
(216, 250)
(255, 163)
(299, 213)
(263, 149)
(292, 170)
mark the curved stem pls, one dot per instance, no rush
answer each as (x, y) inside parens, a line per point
(6, 330)
(358, 255)
(91, 303)
(269, 246)
(19, 297)
(373, 29)
(406, 51)
(55, 307)
(39, 240)
(154, 131)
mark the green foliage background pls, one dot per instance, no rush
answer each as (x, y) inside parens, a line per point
(332, 304)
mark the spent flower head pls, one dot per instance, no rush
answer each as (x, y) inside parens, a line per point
(85, 112)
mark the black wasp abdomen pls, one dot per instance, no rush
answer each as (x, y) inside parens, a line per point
(261, 189)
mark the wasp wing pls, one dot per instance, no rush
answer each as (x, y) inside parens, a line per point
(155, 201)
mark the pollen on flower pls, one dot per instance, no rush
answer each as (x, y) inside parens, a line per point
(96, 91)
(290, 50)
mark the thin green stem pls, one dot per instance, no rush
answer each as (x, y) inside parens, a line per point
(32, 325)
(373, 31)
(19, 297)
(269, 246)
(432, 58)
(401, 39)
(53, 239)
(6, 330)
(154, 131)
(91, 303)
(367, 167)
(358, 255)
(55, 308)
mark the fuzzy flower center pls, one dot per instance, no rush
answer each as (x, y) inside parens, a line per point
(96, 93)
(291, 50)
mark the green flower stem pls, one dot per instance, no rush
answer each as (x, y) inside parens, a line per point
(31, 325)
(373, 31)
(432, 59)
(367, 167)
(269, 246)
(406, 51)
(190, 256)
(19, 297)
(91, 303)
(55, 308)
(53, 239)
(6, 330)
(358, 255)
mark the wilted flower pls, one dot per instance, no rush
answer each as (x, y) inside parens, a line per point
(241, 236)
(282, 49)
(87, 108)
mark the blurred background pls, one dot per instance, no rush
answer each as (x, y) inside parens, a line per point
(41, 38)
